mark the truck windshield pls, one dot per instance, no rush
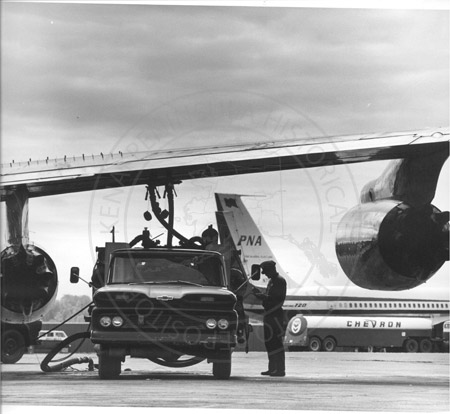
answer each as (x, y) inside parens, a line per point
(174, 268)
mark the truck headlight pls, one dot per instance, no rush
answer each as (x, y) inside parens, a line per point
(223, 324)
(105, 321)
(211, 323)
(117, 321)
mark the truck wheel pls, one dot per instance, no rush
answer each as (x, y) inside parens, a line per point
(108, 367)
(315, 344)
(222, 365)
(329, 344)
(13, 346)
(425, 345)
(411, 345)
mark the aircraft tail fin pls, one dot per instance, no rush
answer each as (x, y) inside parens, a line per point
(235, 222)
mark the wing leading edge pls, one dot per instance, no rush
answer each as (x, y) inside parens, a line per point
(67, 175)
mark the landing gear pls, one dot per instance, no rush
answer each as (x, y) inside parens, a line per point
(13, 346)
(222, 365)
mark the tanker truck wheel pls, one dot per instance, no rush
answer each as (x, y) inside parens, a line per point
(109, 367)
(425, 345)
(222, 365)
(13, 346)
(315, 344)
(411, 345)
(329, 344)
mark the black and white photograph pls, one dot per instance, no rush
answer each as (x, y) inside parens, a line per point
(225, 206)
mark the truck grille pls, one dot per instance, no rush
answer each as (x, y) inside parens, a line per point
(164, 321)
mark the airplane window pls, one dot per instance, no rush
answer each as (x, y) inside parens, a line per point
(365, 305)
(350, 305)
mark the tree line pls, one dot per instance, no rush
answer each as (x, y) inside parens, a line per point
(67, 306)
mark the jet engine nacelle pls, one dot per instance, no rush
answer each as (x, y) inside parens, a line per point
(389, 245)
(29, 283)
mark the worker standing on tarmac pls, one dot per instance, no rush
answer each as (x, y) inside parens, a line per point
(272, 302)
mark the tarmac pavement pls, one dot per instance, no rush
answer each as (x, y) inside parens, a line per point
(340, 381)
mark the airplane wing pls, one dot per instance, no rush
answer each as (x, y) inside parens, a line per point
(358, 251)
(74, 174)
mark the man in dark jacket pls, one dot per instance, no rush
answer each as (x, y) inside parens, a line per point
(272, 302)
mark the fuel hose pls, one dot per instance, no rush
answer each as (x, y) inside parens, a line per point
(45, 367)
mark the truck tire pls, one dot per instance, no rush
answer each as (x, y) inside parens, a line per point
(315, 344)
(329, 344)
(13, 346)
(411, 345)
(109, 367)
(222, 365)
(425, 345)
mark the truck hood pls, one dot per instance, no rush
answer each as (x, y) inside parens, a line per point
(165, 291)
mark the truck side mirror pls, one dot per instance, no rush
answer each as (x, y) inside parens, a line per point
(74, 274)
(256, 272)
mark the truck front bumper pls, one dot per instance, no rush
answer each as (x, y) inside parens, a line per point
(166, 338)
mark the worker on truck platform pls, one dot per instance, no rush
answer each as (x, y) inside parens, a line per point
(210, 238)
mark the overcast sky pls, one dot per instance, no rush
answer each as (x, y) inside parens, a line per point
(85, 79)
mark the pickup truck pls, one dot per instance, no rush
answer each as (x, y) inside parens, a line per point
(172, 306)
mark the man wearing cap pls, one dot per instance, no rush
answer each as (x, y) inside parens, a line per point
(272, 302)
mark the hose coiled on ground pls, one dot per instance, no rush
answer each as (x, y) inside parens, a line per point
(78, 360)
